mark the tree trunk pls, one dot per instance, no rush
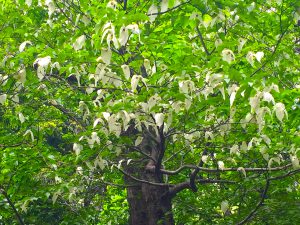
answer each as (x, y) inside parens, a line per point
(149, 204)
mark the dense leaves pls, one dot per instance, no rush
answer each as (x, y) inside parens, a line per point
(98, 98)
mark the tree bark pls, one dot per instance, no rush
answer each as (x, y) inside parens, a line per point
(149, 204)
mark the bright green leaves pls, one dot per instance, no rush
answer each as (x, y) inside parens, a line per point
(207, 20)
(105, 74)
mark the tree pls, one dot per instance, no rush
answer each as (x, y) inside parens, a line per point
(162, 98)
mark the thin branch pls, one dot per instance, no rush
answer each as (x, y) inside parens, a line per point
(209, 170)
(173, 155)
(125, 5)
(17, 214)
(70, 20)
(11, 145)
(196, 171)
(120, 185)
(184, 185)
(259, 204)
(202, 41)
(145, 181)
(169, 10)
(143, 153)
(67, 113)
(291, 173)
(273, 53)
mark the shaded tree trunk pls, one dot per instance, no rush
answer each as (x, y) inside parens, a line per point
(149, 204)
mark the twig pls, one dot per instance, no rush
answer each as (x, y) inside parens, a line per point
(184, 185)
(196, 171)
(69, 19)
(291, 173)
(143, 153)
(120, 185)
(202, 41)
(17, 214)
(273, 53)
(145, 181)
(259, 204)
(169, 10)
(68, 113)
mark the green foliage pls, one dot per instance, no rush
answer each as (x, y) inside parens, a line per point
(80, 81)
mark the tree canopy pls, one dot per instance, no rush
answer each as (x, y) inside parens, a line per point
(149, 112)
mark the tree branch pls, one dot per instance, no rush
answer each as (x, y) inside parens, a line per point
(67, 113)
(145, 181)
(273, 53)
(291, 173)
(17, 214)
(145, 129)
(202, 41)
(143, 153)
(184, 185)
(70, 20)
(209, 170)
(196, 171)
(162, 149)
(259, 204)
(169, 10)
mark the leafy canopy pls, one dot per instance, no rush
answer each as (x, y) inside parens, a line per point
(81, 81)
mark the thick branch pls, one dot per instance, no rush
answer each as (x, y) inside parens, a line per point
(177, 188)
